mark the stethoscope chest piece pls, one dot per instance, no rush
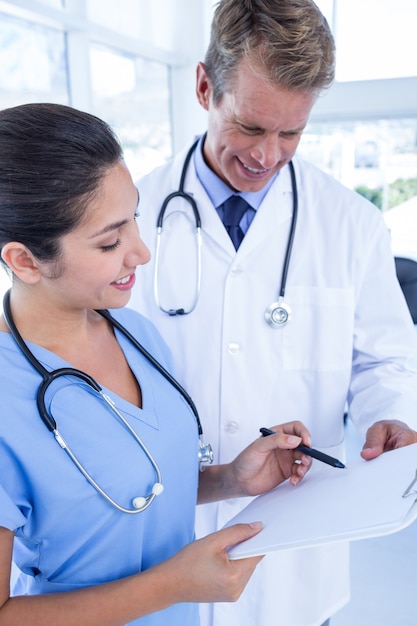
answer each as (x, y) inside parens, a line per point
(278, 314)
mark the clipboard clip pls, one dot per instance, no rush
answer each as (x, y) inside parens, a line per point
(412, 488)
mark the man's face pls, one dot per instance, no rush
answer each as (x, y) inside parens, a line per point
(255, 128)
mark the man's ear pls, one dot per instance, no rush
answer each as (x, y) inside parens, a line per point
(203, 86)
(21, 262)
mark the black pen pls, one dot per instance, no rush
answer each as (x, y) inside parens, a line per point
(316, 454)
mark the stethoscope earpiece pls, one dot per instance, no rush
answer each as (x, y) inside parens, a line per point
(142, 502)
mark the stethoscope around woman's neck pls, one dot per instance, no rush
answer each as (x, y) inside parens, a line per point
(140, 503)
(276, 314)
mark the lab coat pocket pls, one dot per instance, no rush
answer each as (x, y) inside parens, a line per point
(319, 336)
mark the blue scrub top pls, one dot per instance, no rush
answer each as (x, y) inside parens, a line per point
(66, 535)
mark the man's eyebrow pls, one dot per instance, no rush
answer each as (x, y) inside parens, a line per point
(298, 129)
(256, 127)
(248, 124)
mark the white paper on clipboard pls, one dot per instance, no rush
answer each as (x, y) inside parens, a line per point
(363, 500)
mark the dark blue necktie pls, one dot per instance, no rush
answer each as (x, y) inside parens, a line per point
(233, 210)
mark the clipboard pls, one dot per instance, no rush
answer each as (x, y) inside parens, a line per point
(366, 499)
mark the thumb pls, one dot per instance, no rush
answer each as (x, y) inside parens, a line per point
(240, 532)
(374, 443)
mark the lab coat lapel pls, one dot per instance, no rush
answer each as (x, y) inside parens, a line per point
(275, 211)
(212, 225)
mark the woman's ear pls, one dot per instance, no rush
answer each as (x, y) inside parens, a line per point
(21, 262)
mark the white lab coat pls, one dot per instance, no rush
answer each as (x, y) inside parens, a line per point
(348, 314)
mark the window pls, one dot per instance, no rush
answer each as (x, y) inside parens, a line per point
(375, 39)
(374, 154)
(114, 59)
(364, 130)
(150, 21)
(132, 95)
(33, 63)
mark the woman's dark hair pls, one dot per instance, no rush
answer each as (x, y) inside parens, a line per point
(52, 161)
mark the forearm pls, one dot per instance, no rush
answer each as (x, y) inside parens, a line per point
(178, 579)
(110, 604)
(216, 483)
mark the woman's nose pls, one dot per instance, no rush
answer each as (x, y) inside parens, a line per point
(138, 253)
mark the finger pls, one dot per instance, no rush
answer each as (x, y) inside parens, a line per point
(405, 438)
(295, 428)
(300, 469)
(281, 441)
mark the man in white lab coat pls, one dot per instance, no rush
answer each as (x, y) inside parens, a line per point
(349, 338)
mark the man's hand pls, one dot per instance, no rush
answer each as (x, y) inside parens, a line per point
(387, 435)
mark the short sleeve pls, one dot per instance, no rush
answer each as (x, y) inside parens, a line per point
(10, 515)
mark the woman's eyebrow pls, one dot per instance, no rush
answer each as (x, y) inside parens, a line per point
(109, 228)
(115, 225)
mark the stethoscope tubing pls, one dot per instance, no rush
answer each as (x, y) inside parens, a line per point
(47, 376)
(291, 236)
(204, 452)
(156, 364)
(159, 228)
(278, 313)
(181, 193)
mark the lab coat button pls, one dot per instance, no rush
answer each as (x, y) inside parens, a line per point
(231, 427)
(233, 348)
(235, 271)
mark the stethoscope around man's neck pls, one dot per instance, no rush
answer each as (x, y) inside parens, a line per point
(278, 313)
(140, 503)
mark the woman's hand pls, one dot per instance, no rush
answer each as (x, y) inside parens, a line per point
(263, 465)
(203, 572)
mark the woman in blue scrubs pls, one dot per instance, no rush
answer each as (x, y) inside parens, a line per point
(68, 236)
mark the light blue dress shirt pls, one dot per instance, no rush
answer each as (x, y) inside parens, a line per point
(219, 192)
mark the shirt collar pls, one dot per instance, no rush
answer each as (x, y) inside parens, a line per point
(216, 189)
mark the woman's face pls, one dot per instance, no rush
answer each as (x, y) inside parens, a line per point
(98, 259)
